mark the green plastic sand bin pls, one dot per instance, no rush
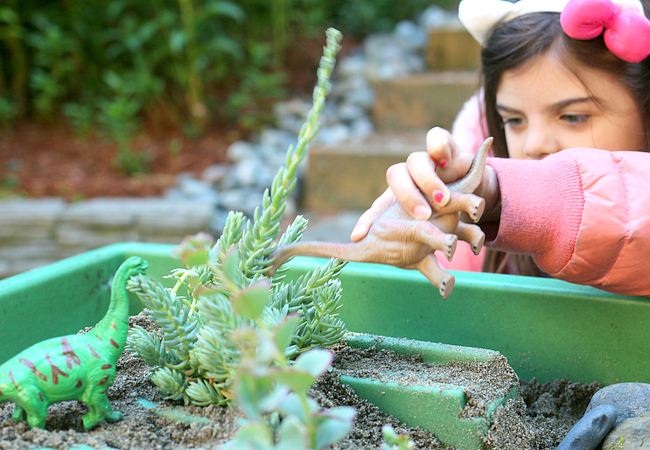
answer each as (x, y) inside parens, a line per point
(436, 406)
(546, 328)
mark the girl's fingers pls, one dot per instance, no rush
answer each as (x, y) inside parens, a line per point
(366, 220)
(440, 147)
(419, 183)
(451, 163)
(406, 191)
(422, 170)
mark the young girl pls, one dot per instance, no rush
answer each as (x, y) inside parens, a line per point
(560, 79)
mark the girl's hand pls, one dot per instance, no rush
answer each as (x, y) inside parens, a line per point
(423, 177)
(366, 220)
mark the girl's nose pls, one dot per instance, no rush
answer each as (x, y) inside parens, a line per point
(540, 142)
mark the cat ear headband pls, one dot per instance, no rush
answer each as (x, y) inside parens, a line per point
(625, 29)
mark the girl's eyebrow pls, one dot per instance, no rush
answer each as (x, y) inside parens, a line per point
(558, 106)
(506, 109)
(569, 102)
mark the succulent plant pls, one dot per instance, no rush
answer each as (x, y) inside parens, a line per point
(221, 291)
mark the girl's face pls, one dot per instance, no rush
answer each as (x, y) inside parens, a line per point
(545, 108)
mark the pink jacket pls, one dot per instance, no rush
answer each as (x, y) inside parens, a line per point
(583, 214)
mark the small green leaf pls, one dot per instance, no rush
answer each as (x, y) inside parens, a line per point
(251, 301)
(395, 440)
(298, 381)
(9, 16)
(273, 400)
(292, 435)
(315, 361)
(231, 264)
(333, 425)
(285, 331)
(195, 259)
(292, 406)
(194, 250)
(250, 391)
(227, 9)
(177, 41)
(252, 435)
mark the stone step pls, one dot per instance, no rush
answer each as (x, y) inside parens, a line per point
(452, 49)
(37, 232)
(351, 175)
(421, 101)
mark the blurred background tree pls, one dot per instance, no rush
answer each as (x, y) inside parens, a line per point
(115, 65)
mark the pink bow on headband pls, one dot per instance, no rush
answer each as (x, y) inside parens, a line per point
(627, 30)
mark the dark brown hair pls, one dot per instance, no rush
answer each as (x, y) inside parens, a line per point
(514, 43)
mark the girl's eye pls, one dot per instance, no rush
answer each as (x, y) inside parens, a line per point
(574, 119)
(512, 122)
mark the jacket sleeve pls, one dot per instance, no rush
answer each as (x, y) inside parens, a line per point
(582, 214)
(464, 259)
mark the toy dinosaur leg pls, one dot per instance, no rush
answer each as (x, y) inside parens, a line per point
(99, 409)
(430, 235)
(444, 281)
(19, 413)
(471, 204)
(32, 405)
(472, 234)
(110, 414)
(37, 420)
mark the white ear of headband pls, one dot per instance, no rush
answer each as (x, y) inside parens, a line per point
(480, 16)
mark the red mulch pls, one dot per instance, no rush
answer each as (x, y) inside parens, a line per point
(38, 160)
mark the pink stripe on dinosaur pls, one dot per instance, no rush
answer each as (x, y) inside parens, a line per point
(70, 355)
(55, 370)
(93, 352)
(11, 377)
(33, 368)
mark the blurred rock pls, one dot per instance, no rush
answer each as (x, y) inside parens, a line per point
(590, 431)
(629, 434)
(436, 17)
(630, 399)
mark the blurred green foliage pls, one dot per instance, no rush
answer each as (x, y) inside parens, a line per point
(112, 65)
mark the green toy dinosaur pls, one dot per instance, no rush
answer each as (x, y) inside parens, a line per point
(74, 367)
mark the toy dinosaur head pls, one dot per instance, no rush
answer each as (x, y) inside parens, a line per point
(136, 265)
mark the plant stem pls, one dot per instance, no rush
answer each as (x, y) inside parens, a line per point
(197, 109)
(279, 14)
(309, 420)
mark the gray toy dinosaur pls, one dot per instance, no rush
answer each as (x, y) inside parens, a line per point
(399, 240)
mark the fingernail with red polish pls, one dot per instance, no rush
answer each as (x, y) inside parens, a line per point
(438, 196)
(442, 163)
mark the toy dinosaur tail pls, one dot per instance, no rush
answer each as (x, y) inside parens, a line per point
(471, 181)
(309, 248)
